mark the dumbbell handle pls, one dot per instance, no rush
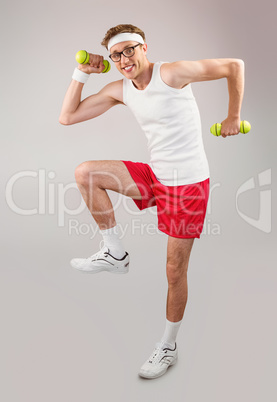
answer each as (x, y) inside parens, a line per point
(245, 127)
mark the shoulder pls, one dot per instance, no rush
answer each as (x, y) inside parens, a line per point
(173, 74)
(114, 90)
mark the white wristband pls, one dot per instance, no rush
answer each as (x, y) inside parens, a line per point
(80, 76)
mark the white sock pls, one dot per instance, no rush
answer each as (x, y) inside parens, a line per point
(170, 333)
(113, 242)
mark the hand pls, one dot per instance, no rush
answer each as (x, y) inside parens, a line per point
(95, 65)
(230, 126)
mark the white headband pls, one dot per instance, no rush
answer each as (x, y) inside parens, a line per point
(122, 37)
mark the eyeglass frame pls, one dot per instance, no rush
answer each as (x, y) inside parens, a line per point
(120, 53)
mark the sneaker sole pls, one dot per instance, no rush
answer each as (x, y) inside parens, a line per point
(97, 270)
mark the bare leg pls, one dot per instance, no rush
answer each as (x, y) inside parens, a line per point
(178, 253)
(94, 178)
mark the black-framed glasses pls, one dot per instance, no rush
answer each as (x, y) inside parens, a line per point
(128, 52)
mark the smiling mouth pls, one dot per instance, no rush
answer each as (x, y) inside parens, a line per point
(128, 68)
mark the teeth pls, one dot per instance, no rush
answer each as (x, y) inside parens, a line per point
(128, 68)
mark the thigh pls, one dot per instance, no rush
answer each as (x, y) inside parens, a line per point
(109, 175)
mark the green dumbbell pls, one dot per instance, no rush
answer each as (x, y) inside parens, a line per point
(245, 127)
(82, 57)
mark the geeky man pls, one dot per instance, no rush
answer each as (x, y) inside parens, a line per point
(176, 180)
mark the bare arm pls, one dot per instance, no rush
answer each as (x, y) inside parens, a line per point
(181, 73)
(74, 110)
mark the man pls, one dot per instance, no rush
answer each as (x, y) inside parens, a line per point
(177, 178)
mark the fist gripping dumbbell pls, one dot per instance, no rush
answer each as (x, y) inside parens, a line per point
(82, 57)
(245, 127)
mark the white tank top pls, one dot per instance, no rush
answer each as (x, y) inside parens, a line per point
(171, 122)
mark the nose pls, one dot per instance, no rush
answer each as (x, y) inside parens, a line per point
(124, 59)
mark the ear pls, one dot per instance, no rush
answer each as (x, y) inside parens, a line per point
(144, 47)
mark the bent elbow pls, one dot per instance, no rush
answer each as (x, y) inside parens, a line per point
(64, 120)
(235, 66)
(238, 63)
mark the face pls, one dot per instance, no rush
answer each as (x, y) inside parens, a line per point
(132, 66)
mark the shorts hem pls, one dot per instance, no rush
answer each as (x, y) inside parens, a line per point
(180, 236)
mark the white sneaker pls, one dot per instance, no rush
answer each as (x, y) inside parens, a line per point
(102, 261)
(159, 361)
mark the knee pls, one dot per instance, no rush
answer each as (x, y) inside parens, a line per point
(84, 173)
(175, 272)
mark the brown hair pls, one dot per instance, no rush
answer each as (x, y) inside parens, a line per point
(120, 29)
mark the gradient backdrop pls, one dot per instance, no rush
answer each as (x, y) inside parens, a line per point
(69, 337)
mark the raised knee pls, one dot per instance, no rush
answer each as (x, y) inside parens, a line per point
(81, 172)
(84, 173)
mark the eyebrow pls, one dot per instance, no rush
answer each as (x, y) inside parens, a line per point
(123, 48)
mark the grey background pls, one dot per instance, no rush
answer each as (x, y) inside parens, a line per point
(71, 337)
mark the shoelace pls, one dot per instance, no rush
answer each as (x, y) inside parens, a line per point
(99, 254)
(157, 354)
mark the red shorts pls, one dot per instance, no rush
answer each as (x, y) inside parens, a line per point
(181, 210)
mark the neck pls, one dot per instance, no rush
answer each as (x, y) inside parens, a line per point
(143, 79)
